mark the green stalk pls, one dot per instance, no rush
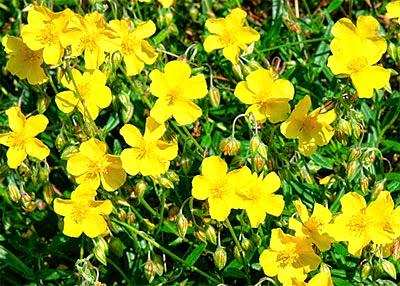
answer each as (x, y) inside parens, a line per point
(151, 241)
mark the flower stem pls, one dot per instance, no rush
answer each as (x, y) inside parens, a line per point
(151, 241)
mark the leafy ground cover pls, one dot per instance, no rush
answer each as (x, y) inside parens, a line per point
(199, 142)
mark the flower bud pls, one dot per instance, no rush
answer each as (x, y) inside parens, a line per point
(356, 130)
(211, 234)
(389, 268)
(140, 188)
(355, 153)
(237, 70)
(158, 265)
(193, 12)
(173, 176)
(26, 198)
(40, 204)
(364, 183)
(43, 103)
(14, 193)
(48, 193)
(237, 254)
(352, 169)
(379, 187)
(392, 51)
(29, 206)
(186, 164)
(122, 215)
(365, 271)
(168, 17)
(131, 218)
(258, 163)
(345, 127)
(396, 249)
(166, 183)
(230, 146)
(370, 158)
(220, 257)
(200, 235)
(306, 175)
(181, 225)
(246, 244)
(324, 268)
(215, 96)
(100, 249)
(149, 271)
(69, 151)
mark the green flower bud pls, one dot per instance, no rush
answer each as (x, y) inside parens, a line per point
(100, 249)
(211, 234)
(181, 225)
(13, 192)
(220, 257)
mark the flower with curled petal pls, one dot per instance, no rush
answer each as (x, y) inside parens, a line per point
(21, 140)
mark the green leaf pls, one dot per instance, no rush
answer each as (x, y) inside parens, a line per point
(324, 162)
(195, 255)
(15, 263)
(334, 5)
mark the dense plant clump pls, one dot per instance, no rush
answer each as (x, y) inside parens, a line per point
(199, 142)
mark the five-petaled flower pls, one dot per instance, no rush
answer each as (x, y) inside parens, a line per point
(269, 97)
(256, 195)
(83, 213)
(44, 30)
(393, 9)
(92, 165)
(288, 257)
(312, 227)
(21, 140)
(359, 224)
(176, 89)
(88, 92)
(23, 62)
(312, 129)
(133, 46)
(230, 35)
(356, 50)
(148, 155)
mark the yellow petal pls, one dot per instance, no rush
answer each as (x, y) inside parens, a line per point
(200, 187)
(268, 261)
(322, 213)
(195, 87)
(276, 110)
(94, 225)
(35, 124)
(114, 176)
(146, 53)
(16, 120)
(301, 210)
(93, 58)
(260, 81)
(214, 167)
(129, 160)
(231, 52)
(83, 192)
(215, 26)
(282, 88)
(321, 279)
(36, 75)
(91, 180)
(71, 228)
(271, 183)
(154, 130)
(66, 101)
(244, 93)
(368, 28)
(158, 87)
(247, 35)
(36, 148)
(352, 203)
(274, 204)
(63, 207)
(52, 54)
(219, 208)
(5, 139)
(307, 147)
(103, 207)
(370, 78)
(131, 135)
(186, 112)
(167, 151)
(393, 9)
(15, 157)
(343, 28)
(256, 216)
(236, 18)
(213, 42)
(133, 65)
(145, 29)
(78, 164)
(176, 72)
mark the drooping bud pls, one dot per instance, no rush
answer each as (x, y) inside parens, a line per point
(396, 249)
(140, 188)
(258, 163)
(389, 268)
(237, 70)
(237, 254)
(166, 183)
(220, 257)
(122, 215)
(364, 183)
(352, 169)
(158, 265)
(43, 103)
(230, 146)
(211, 234)
(181, 225)
(69, 151)
(355, 153)
(379, 186)
(365, 271)
(149, 271)
(246, 244)
(215, 96)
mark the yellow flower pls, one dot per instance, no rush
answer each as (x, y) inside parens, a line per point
(312, 129)
(23, 62)
(230, 35)
(92, 165)
(164, 3)
(90, 36)
(216, 185)
(135, 50)
(256, 195)
(393, 9)
(43, 32)
(355, 51)
(149, 154)
(312, 227)
(21, 140)
(176, 89)
(91, 88)
(269, 98)
(83, 214)
(288, 257)
(321, 279)
(359, 224)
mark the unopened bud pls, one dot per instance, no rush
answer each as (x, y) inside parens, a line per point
(166, 183)
(122, 215)
(254, 65)
(357, 130)
(352, 169)
(230, 146)
(173, 176)
(392, 51)
(370, 158)
(168, 17)
(364, 184)
(324, 268)
(365, 271)
(220, 257)
(211, 234)
(40, 205)
(140, 188)
(379, 186)
(396, 249)
(193, 12)
(200, 235)
(345, 127)
(215, 96)
(186, 164)
(181, 225)
(29, 206)
(306, 175)
(355, 153)
(237, 70)
(149, 271)
(43, 103)
(130, 218)
(26, 198)
(389, 268)
(376, 272)
(258, 163)
(246, 244)
(100, 249)
(14, 193)
(237, 254)
(69, 151)
(158, 265)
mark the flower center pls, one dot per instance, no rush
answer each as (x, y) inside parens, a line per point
(288, 256)
(313, 225)
(174, 94)
(218, 189)
(128, 46)
(357, 64)
(48, 34)
(79, 212)
(357, 224)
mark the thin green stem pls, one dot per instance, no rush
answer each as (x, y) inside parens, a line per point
(154, 243)
(238, 245)
(148, 207)
(193, 139)
(295, 44)
(115, 265)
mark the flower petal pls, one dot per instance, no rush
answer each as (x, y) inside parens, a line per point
(213, 42)
(71, 228)
(132, 135)
(94, 225)
(35, 124)
(129, 160)
(66, 101)
(231, 52)
(195, 87)
(370, 78)
(78, 164)
(36, 148)
(15, 157)
(52, 54)
(114, 176)
(16, 120)
(185, 112)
